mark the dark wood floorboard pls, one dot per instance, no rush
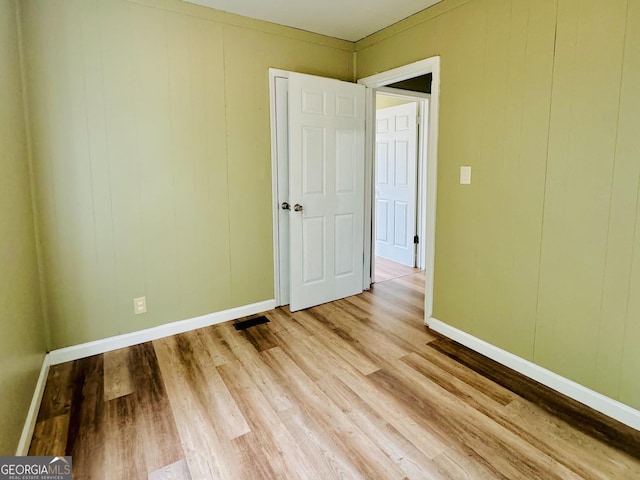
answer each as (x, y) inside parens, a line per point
(354, 389)
(584, 419)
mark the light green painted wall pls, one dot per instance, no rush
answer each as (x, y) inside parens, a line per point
(151, 141)
(386, 101)
(541, 254)
(22, 342)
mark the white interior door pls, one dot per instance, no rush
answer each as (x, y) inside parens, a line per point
(396, 183)
(326, 189)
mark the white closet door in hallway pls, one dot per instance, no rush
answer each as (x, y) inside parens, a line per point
(396, 183)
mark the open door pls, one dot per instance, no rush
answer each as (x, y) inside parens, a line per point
(326, 189)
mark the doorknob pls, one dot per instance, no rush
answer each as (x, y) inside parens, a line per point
(285, 206)
(297, 207)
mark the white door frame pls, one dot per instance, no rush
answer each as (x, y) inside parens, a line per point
(423, 100)
(416, 69)
(277, 157)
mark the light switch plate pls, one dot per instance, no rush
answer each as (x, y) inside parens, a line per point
(465, 175)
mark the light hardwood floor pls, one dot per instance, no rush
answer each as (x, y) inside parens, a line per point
(389, 270)
(354, 389)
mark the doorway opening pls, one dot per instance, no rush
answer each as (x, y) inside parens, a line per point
(399, 167)
(425, 206)
(412, 77)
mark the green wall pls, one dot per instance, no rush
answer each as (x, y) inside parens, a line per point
(541, 254)
(22, 342)
(151, 141)
(386, 101)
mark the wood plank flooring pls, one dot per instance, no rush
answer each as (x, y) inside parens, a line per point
(354, 389)
(389, 270)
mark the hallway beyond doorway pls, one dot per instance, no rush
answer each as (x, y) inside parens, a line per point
(388, 270)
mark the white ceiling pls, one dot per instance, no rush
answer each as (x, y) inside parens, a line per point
(345, 19)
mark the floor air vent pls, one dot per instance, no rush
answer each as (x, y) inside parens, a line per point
(252, 322)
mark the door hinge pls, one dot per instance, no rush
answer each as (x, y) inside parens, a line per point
(416, 239)
(418, 119)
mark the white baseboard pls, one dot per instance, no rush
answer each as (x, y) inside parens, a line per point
(601, 403)
(128, 339)
(34, 408)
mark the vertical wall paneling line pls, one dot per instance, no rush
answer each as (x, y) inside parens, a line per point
(610, 222)
(82, 42)
(117, 60)
(478, 162)
(173, 149)
(488, 163)
(91, 62)
(67, 144)
(226, 139)
(515, 212)
(544, 197)
(199, 227)
(205, 152)
(158, 192)
(510, 310)
(32, 181)
(135, 81)
(509, 161)
(192, 167)
(628, 144)
(503, 209)
(73, 175)
(634, 253)
(107, 157)
(629, 297)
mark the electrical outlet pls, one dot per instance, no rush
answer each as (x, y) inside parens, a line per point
(140, 305)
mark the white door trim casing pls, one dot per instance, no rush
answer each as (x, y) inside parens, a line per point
(422, 67)
(424, 100)
(281, 298)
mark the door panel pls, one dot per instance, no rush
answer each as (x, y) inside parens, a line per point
(314, 243)
(396, 182)
(382, 220)
(382, 163)
(326, 178)
(400, 225)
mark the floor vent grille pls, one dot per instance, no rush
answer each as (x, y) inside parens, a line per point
(252, 322)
